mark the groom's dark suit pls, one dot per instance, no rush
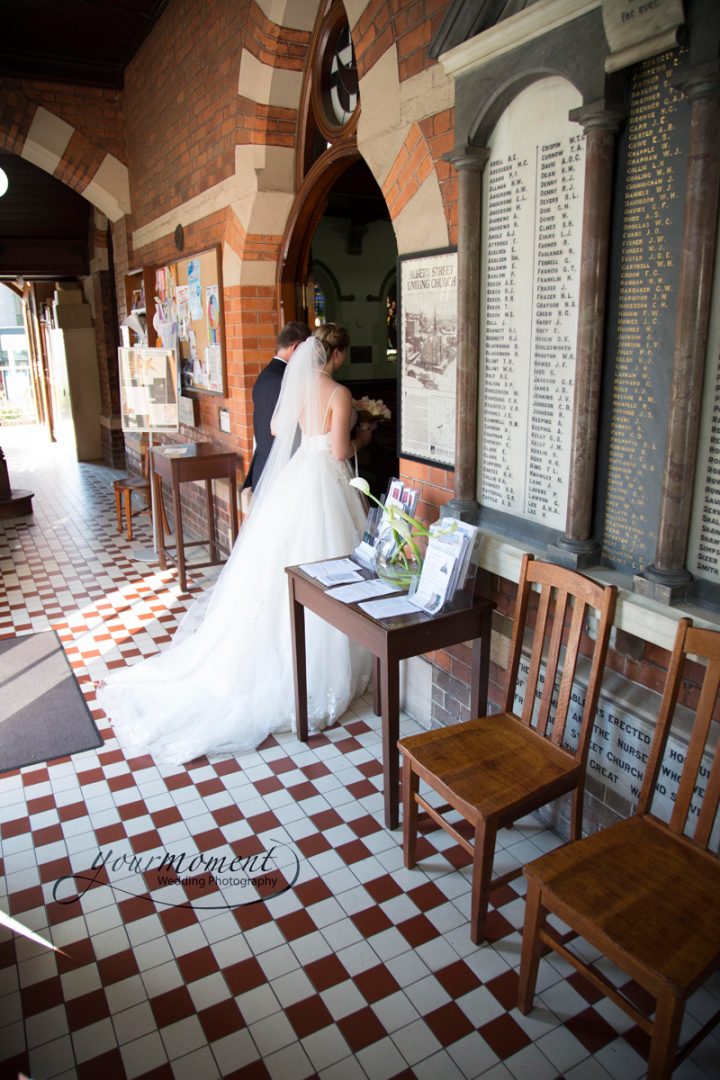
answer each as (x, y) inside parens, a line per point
(265, 393)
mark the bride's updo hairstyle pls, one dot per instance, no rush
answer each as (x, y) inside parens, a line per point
(332, 336)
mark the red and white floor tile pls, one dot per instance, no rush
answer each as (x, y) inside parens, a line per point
(361, 969)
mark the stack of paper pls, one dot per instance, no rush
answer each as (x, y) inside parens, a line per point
(447, 560)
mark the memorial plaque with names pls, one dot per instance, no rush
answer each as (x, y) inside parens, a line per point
(532, 209)
(642, 316)
(704, 544)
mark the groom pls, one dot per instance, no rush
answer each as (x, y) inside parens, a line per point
(265, 394)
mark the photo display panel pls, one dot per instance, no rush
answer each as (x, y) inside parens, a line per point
(530, 258)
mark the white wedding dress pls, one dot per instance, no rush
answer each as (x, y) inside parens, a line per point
(226, 680)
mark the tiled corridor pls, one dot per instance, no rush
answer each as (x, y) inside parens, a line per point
(360, 969)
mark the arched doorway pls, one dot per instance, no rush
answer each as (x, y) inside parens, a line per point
(339, 253)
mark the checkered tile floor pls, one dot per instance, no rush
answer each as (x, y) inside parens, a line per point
(359, 969)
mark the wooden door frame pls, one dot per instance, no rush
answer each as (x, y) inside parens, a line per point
(307, 210)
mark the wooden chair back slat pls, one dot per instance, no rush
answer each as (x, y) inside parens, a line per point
(518, 630)
(691, 769)
(536, 656)
(557, 620)
(711, 801)
(665, 714)
(568, 677)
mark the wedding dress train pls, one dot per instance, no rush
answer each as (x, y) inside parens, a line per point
(226, 680)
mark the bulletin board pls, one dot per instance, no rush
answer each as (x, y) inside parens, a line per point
(190, 290)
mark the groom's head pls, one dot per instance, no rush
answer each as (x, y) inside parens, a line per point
(291, 335)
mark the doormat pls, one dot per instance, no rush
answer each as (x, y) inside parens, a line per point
(43, 714)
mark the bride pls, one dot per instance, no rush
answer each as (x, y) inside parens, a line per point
(226, 680)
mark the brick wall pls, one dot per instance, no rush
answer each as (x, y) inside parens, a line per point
(181, 103)
(95, 112)
(439, 131)
(411, 25)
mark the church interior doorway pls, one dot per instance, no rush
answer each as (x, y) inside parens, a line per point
(351, 279)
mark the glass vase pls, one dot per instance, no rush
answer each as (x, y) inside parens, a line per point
(397, 563)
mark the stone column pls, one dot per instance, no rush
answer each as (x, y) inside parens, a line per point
(470, 163)
(577, 548)
(667, 578)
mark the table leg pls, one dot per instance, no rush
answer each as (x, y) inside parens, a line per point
(480, 671)
(390, 697)
(157, 523)
(179, 544)
(377, 703)
(211, 520)
(297, 631)
(233, 508)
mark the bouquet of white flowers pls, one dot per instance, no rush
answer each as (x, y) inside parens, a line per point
(371, 410)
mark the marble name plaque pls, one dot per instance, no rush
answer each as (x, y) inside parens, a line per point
(532, 219)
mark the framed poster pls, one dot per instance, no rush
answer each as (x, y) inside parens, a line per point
(148, 389)
(427, 346)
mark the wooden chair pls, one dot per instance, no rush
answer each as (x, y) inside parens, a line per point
(646, 893)
(126, 487)
(495, 769)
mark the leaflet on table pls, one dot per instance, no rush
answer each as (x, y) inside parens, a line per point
(173, 451)
(333, 571)
(433, 588)
(388, 609)
(363, 590)
(445, 568)
(448, 539)
(470, 553)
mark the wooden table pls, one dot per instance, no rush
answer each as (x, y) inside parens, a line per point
(177, 465)
(467, 619)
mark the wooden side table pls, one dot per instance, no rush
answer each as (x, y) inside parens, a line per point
(469, 618)
(180, 464)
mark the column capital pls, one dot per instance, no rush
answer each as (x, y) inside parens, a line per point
(468, 157)
(701, 81)
(598, 115)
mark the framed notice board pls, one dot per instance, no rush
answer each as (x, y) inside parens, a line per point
(190, 293)
(427, 351)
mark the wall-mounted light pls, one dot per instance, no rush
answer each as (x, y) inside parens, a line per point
(4, 182)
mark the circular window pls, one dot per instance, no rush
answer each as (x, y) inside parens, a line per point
(340, 82)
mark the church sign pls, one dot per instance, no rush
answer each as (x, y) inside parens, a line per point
(428, 356)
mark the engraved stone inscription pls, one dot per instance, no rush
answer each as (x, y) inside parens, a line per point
(531, 249)
(644, 332)
(619, 748)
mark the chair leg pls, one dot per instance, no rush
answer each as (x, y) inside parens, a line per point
(118, 509)
(665, 1036)
(485, 838)
(576, 816)
(410, 785)
(128, 512)
(532, 947)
